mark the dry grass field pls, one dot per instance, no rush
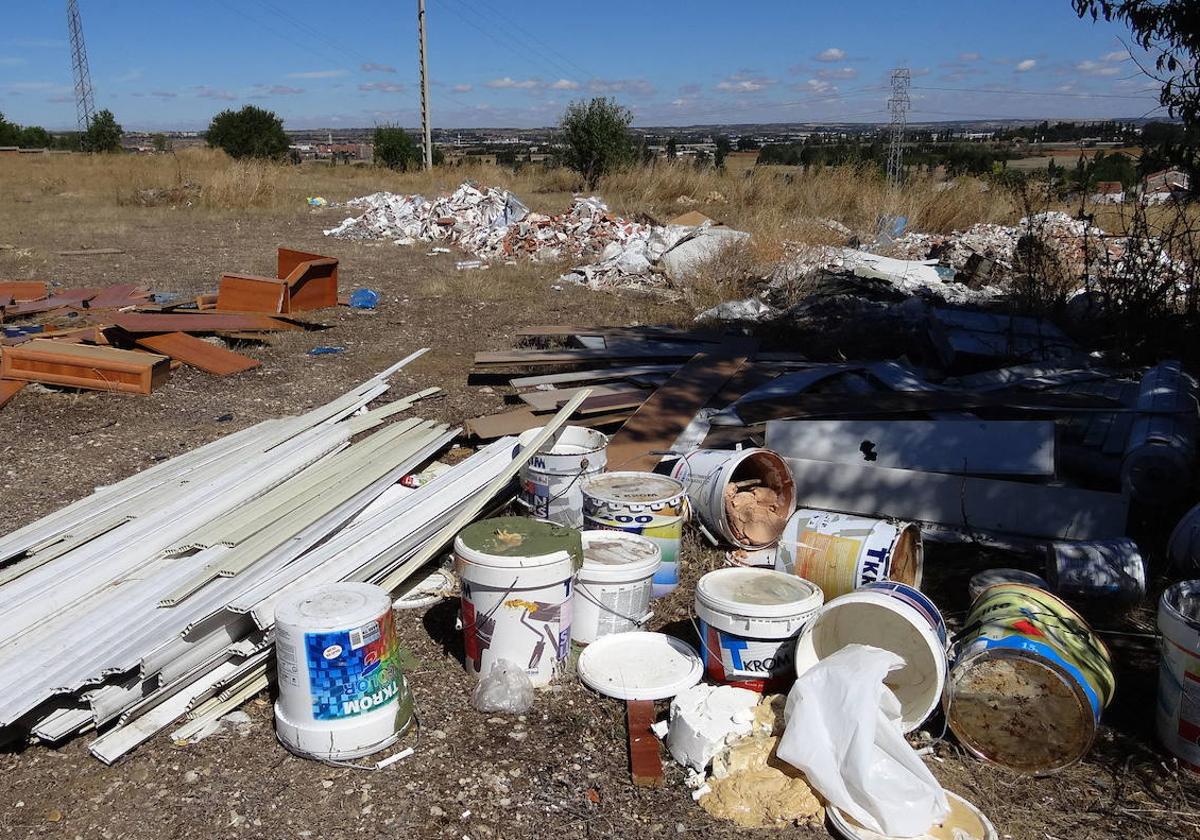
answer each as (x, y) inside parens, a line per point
(560, 771)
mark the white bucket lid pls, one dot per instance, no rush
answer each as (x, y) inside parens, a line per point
(639, 666)
(965, 822)
(758, 593)
(332, 606)
(638, 488)
(613, 556)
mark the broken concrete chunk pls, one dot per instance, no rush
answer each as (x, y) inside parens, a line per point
(705, 718)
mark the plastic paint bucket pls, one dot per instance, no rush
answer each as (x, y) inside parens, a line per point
(342, 694)
(1103, 569)
(1178, 714)
(517, 578)
(895, 617)
(749, 622)
(552, 480)
(1184, 546)
(650, 505)
(711, 477)
(991, 577)
(964, 822)
(1029, 681)
(840, 552)
(613, 587)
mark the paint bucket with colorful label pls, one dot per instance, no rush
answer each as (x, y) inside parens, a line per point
(982, 580)
(840, 552)
(743, 497)
(749, 622)
(1029, 680)
(1178, 714)
(650, 505)
(613, 587)
(551, 482)
(342, 694)
(895, 617)
(517, 578)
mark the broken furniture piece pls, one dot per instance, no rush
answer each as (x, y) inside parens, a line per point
(306, 281)
(84, 366)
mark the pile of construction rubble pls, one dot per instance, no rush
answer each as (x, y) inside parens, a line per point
(493, 224)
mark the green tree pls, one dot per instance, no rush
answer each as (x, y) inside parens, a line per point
(103, 133)
(596, 138)
(10, 132)
(396, 149)
(161, 142)
(439, 156)
(35, 137)
(250, 132)
(723, 147)
(672, 148)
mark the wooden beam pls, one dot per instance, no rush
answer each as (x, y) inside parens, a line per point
(599, 375)
(645, 758)
(198, 353)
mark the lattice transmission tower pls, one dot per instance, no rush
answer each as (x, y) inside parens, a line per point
(85, 101)
(898, 106)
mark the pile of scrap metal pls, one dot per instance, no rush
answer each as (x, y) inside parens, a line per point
(152, 599)
(121, 338)
(494, 224)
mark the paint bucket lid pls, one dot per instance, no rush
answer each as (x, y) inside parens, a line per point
(633, 488)
(612, 556)
(425, 592)
(758, 593)
(965, 822)
(332, 606)
(639, 666)
(516, 541)
(981, 581)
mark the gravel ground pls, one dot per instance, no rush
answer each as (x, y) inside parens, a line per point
(558, 771)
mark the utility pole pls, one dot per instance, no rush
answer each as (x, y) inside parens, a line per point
(898, 106)
(85, 103)
(426, 139)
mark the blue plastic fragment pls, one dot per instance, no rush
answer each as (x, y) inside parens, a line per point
(325, 350)
(364, 299)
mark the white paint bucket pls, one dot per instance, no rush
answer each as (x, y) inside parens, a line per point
(840, 552)
(1179, 673)
(749, 622)
(614, 584)
(650, 505)
(752, 518)
(1102, 569)
(895, 617)
(992, 577)
(1184, 546)
(517, 578)
(552, 480)
(342, 694)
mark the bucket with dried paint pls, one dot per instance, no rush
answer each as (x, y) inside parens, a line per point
(749, 622)
(1111, 570)
(895, 617)
(1029, 680)
(982, 580)
(551, 482)
(1184, 546)
(650, 505)
(840, 552)
(342, 694)
(517, 579)
(614, 584)
(1178, 715)
(743, 497)
(964, 822)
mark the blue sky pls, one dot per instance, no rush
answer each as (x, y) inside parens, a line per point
(174, 64)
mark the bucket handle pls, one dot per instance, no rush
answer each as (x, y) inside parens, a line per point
(583, 465)
(583, 590)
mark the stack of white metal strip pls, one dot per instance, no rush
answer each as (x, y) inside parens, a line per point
(153, 598)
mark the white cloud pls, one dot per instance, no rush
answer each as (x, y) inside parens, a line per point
(565, 84)
(744, 83)
(1026, 65)
(1095, 68)
(317, 74)
(969, 56)
(830, 55)
(283, 90)
(163, 94)
(637, 87)
(372, 67)
(818, 86)
(383, 87)
(1118, 55)
(461, 88)
(205, 92)
(508, 83)
(838, 73)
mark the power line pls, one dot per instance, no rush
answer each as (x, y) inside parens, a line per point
(533, 39)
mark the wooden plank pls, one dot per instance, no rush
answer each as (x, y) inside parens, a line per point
(646, 333)
(251, 293)
(84, 366)
(58, 300)
(981, 504)
(90, 252)
(127, 294)
(971, 447)
(491, 426)
(23, 291)
(551, 400)
(9, 389)
(661, 418)
(198, 353)
(312, 284)
(598, 375)
(204, 322)
(645, 758)
(531, 358)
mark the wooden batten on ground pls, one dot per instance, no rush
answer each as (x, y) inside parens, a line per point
(84, 366)
(198, 353)
(645, 759)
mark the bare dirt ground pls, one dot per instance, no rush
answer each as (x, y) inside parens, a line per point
(559, 771)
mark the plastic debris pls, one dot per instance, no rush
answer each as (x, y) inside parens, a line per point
(317, 201)
(364, 299)
(326, 350)
(505, 688)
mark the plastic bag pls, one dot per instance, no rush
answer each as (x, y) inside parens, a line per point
(843, 731)
(504, 688)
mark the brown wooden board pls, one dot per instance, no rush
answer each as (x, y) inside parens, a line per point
(492, 426)
(22, 291)
(251, 293)
(655, 426)
(648, 333)
(204, 322)
(58, 300)
(312, 284)
(614, 398)
(287, 259)
(84, 366)
(111, 297)
(645, 758)
(198, 353)
(565, 356)
(9, 389)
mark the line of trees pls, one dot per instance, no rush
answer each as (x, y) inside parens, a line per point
(103, 135)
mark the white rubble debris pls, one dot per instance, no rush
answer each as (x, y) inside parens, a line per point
(705, 718)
